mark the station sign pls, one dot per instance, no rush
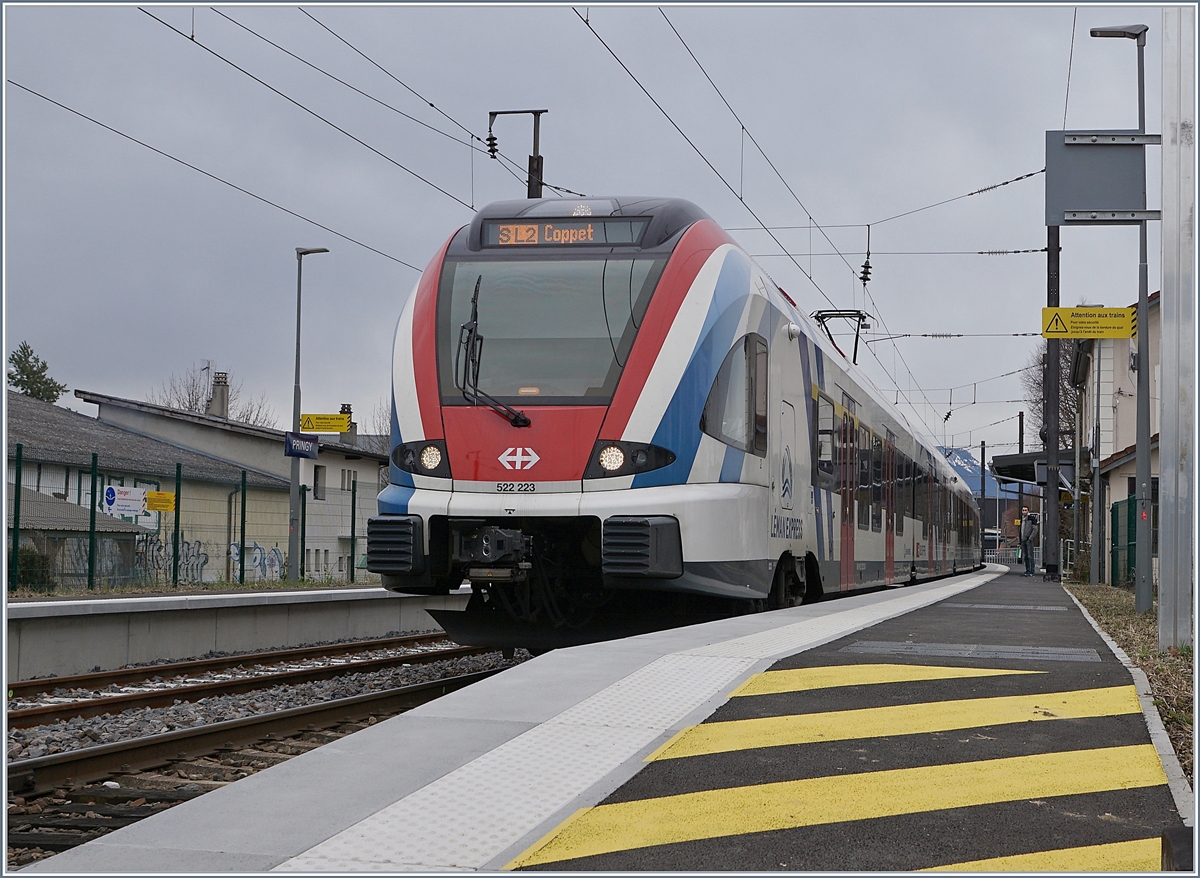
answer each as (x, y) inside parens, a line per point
(325, 423)
(1087, 322)
(160, 501)
(300, 445)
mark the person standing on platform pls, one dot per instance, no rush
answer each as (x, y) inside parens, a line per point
(1029, 535)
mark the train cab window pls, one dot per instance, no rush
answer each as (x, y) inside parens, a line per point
(825, 470)
(736, 410)
(556, 331)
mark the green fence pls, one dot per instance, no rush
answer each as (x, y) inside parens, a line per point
(1124, 552)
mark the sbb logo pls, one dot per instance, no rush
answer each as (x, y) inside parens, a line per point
(519, 458)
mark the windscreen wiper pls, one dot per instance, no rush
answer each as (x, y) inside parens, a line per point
(467, 378)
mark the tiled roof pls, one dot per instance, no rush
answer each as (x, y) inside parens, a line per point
(50, 434)
(43, 512)
(326, 444)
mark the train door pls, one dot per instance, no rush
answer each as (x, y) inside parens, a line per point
(889, 509)
(848, 467)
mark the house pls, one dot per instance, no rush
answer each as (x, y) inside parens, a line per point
(1101, 369)
(57, 448)
(345, 476)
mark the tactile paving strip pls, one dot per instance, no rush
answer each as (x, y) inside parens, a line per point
(1002, 607)
(470, 816)
(974, 650)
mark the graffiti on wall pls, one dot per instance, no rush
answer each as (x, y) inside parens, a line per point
(153, 558)
(261, 564)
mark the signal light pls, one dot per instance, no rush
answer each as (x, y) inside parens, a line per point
(866, 271)
(491, 144)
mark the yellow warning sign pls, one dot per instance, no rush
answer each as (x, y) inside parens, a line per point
(1085, 322)
(325, 423)
(160, 501)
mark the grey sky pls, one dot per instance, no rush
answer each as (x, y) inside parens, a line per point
(122, 266)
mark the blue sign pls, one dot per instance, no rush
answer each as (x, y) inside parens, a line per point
(110, 495)
(300, 445)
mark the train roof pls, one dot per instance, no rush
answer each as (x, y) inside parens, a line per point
(668, 216)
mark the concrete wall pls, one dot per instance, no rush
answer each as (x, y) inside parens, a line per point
(74, 637)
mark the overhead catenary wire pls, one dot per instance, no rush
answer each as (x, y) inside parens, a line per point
(431, 104)
(213, 176)
(697, 150)
(311, 112)
(790, 190)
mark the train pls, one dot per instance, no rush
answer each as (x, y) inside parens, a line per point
(606, 416)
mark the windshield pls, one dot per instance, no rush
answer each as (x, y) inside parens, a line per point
(556, 331)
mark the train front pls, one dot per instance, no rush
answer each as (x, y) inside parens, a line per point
(534, 371)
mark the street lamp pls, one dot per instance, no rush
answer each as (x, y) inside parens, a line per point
(1143, 594)
(294, 500)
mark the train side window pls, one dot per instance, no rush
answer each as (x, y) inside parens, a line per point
(876, 483)
(825, 469)
(864, 478)
(736, 410)
(757, 346)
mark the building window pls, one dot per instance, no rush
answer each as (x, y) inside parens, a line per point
(318, 482)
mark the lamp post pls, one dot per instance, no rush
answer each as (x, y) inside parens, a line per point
(294, 500)
(1143, 594)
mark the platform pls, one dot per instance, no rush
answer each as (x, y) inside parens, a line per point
(978, 722)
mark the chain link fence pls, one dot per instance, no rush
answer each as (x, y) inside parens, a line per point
(62, 541)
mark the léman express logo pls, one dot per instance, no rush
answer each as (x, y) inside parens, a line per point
(519, 458)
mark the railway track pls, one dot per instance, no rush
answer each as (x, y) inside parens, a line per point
(63, 800)
(67, 707)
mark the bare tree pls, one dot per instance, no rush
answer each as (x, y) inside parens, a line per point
(190, 392)
(1069, 396)
(380, 438)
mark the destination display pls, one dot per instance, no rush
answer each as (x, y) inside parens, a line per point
(562, 232)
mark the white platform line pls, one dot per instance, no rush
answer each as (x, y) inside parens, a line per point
(468, 817)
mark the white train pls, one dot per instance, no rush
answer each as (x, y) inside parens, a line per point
(602, 406)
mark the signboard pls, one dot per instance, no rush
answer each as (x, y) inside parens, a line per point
(301, 444)
(160, 501)
(562, 232)
(124, 501)
(1087, 322)
(1092, 177)
(325, 423)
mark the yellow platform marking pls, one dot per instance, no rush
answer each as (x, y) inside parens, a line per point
(802, 679)
(822, 800)
(899, 719)
(1143, 855)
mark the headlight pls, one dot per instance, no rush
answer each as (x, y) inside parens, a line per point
(431, 457)
(425, 457)
(612, 458)
(616, 457)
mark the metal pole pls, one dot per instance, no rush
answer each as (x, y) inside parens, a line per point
(1050, 388)
(1143, 585)
(983, 502)
(1077, 517)
(92, 527)
(1177, 391)
(303, 527)
(353, 510)
(1097, 500)
(1020, 450)
(175, 539)
(14, 569)
(294, 495)
(242, 537)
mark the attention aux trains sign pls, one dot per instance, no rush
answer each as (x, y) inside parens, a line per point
(562, 232)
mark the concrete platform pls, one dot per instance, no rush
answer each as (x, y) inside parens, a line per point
(496, 775)
(74, 636)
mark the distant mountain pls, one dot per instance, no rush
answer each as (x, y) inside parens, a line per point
(967, 467)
